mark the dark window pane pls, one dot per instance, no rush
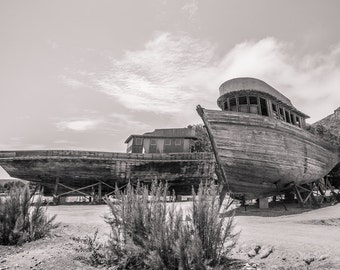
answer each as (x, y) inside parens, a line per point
(292, 119)
(232, 102)
(225, 106)
(252, 100)
(287, 117)
(274, 107)
(281, 111)
(242, 100)
(297, 119)
(264, 108)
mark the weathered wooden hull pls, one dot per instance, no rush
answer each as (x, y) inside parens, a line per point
(260, 155)
(82, 168)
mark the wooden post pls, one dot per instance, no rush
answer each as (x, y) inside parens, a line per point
(99, 192)
(55, 193)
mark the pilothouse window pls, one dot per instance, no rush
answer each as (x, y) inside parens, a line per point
(297, 119)
(287, 117)
(226, 106)
(292, 119)
(242, 100)
(264, 108)
(275, 112)
(253, 108)
(233, 104)
(282, 115)
(243, 104)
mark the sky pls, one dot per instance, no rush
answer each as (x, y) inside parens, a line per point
(80, 74)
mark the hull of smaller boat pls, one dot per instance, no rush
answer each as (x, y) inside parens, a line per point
(261, 156)
(78, 169)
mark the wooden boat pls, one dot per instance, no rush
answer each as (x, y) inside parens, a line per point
(261, 143)
(64, 172)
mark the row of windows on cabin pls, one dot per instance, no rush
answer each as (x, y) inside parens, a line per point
(259, 105)
(139, 141)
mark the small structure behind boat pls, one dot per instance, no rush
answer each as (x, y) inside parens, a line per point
(166, 140)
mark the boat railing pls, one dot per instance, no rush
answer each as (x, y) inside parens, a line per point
(102, 155)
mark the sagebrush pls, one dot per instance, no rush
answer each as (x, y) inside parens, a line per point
(20, 220)
(149, 233)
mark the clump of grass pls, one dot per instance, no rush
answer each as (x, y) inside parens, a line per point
(148, 233)
(20, 220)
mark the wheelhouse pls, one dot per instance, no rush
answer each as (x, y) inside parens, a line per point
(269, 102)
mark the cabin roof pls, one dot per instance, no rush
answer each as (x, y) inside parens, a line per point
(253, 84)
(245, 83)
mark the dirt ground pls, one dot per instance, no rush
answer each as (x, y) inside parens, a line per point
(269, 239)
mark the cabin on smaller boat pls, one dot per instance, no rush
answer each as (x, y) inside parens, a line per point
(250, 95)
(172, 140)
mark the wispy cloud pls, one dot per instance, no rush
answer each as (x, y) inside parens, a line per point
(72, 82)
(174, 72)
(125, 121)
(159, 77)
(78, 125)
(311, 81)
(190, 9)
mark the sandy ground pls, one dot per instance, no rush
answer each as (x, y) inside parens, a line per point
(288, 240)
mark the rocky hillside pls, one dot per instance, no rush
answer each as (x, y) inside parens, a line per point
(331, 122)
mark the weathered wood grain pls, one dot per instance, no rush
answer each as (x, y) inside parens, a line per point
(83, 168)
(257, 152)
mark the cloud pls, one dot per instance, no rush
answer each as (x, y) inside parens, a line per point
(121, 121)
(160, 76)
(311, 82)
(78, 125)
(71, 82)
(190, 9)
(105, 124)
(174, 72)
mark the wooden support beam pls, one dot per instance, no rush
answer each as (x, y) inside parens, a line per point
(55, 193)
(109, 185)
(278, 191)
(298, 195)
(78, 190)
(99, 192)
(56, 185)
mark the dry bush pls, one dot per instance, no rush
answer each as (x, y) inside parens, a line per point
(90, 249)
(148, 233)
(20, 221)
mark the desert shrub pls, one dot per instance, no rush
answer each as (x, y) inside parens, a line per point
(20, 221)
(148, 233)
(92, 251)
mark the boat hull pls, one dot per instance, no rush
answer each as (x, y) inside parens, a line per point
(78, 169)
(261, 155)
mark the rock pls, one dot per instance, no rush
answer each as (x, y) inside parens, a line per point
(257, 249)
(266, 252)
(309, 260)
(252, 253)
(277, 267)
(323, 257)
(3, 261)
